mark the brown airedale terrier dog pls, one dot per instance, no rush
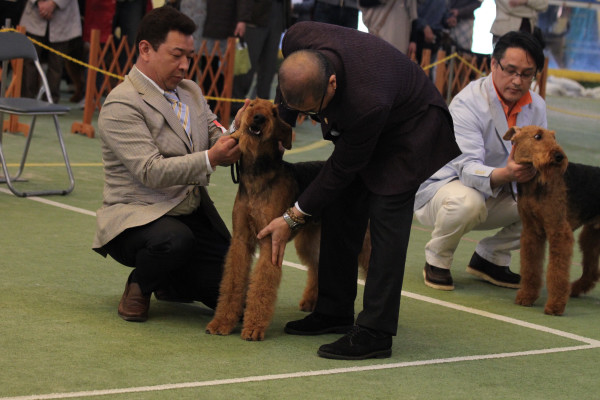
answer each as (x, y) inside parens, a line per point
(267, 187)
(562, 197)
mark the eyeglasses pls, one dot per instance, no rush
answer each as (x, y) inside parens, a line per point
(308, 113)
(525, 76)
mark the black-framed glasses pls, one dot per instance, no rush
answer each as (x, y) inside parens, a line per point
(308, 113)
(526, 76)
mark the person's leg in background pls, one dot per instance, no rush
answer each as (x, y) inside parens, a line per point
(267, 67)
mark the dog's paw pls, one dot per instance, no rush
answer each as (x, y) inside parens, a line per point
(555, 308)
(308, 305)
(253, 334)
(217, 327)
(579, 287)
(525, 299)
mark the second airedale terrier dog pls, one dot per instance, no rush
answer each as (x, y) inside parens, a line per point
(562, 197)
(267, 187)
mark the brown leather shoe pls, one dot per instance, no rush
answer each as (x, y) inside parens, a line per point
(134, 304)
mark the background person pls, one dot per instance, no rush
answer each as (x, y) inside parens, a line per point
(516, 15)
(56, 23)
(269, 18)
(391, 20)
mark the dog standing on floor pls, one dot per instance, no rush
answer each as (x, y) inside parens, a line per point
(267, 187)
(561, 197)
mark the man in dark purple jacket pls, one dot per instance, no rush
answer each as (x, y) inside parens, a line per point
(391, 130)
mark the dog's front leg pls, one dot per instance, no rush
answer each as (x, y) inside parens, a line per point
(533, 247)
(589, 243)
(262, 294)
(233, 287)
(557, 276)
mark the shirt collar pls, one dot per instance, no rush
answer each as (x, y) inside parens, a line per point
(152, 82)
(523, 101)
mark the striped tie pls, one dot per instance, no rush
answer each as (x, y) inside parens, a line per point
(182, 111)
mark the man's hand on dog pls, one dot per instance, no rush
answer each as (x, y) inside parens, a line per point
(512, 172)
(280, 234)
(225, 151)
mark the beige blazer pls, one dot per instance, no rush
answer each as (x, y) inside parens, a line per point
(149, 166)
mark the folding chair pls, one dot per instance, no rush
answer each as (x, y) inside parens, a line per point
(14, 46)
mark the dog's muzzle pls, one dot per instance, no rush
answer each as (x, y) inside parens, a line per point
(257, 122)
(558, 157)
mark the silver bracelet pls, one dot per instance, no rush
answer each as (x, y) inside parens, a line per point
(291, 223)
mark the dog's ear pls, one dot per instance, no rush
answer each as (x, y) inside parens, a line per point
(284, 130)
(285, 134)
(511, 132)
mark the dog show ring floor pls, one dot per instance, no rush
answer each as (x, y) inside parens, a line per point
(61, 337)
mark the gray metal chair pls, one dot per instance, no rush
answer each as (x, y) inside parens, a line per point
(15, 45)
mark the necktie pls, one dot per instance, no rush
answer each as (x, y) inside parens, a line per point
(181, 110)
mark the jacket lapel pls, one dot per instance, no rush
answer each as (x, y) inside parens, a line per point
(497, 112)
(154, 98)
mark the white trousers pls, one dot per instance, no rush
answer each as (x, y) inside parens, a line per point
(457, 209)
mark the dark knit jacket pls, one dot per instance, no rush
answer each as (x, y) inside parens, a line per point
(375, 118)
(223, 15)
(261, 10)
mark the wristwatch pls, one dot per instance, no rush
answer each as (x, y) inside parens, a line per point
(291, 223)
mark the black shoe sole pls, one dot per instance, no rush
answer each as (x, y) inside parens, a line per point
(331, 329)
(491, 280)
(374, 354)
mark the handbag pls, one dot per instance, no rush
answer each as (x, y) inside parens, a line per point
(241, 64)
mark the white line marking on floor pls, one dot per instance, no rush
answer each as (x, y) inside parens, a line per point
(590, 344)
(54, 203)
(498, 317)
(541, 328)
(301, 374)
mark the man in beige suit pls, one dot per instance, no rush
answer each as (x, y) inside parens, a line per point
(156, 215)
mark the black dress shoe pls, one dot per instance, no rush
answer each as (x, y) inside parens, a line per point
(358, 344)
(438, 278)
(495, 274)
(318, 324)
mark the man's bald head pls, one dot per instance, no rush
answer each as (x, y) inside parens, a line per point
(303, 76)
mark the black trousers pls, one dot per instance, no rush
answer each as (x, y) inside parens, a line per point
(184, 254)
(343, 228)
